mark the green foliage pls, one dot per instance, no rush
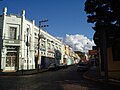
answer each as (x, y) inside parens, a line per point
(105, 15)
(103, 12)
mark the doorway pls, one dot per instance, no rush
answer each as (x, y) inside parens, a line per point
(11, 60)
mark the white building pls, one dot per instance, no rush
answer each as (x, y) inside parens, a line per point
(19, 44)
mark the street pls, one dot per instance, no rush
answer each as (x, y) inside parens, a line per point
(63, 79)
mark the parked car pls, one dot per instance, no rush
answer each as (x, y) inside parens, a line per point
(82, 66)
(53, 66)
(62, 66)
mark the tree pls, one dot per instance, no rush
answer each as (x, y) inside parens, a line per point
(105, 15)
(103, 12)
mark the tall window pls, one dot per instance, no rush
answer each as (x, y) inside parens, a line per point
(12, 33)
(52, 47)
(36, 43)
(48, 45)
(42, 44)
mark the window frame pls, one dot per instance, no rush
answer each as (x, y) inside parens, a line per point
(12, 33)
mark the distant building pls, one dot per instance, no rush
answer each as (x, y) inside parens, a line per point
(69, 56)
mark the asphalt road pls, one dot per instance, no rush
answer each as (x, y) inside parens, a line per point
(64, 79)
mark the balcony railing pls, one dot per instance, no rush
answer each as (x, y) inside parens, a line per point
(8, 41)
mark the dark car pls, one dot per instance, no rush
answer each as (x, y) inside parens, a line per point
(82, 66)
(53, 66)
(62, 66)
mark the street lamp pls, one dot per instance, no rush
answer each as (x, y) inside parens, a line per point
(39, 37)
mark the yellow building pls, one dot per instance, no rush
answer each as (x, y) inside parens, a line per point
(113, 60)
(69, 56)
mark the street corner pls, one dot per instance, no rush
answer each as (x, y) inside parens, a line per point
(88, 76)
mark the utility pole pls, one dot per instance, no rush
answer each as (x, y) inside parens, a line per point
(27, 44)
(104, 46)
(39, 37)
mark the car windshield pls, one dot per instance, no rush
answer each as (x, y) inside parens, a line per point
(82, 64)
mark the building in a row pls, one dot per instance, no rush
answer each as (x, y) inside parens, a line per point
(69, 56)
(19, 44)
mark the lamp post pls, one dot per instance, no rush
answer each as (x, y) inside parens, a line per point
(39, 37)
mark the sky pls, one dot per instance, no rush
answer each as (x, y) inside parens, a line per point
(66, 18)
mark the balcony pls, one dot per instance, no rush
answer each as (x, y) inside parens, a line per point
(13, 42)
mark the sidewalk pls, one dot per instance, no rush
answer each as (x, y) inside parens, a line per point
(24, 72)
(93, 74)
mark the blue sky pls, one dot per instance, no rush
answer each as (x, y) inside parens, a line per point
(64, 16)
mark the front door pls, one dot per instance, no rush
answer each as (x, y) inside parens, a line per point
(10, 60)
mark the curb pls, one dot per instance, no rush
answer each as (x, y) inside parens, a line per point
(22, 74)
(101, 81)
(89, 78)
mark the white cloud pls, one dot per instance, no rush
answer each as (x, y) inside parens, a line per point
(79, 42)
